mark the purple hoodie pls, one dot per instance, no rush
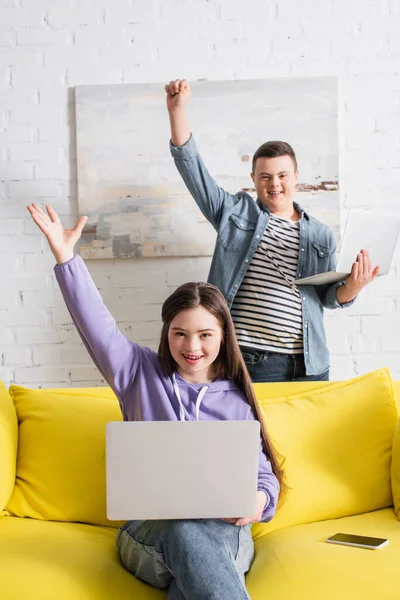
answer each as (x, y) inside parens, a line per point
(134, 373)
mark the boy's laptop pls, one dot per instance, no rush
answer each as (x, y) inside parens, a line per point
(181, 470)
(364, 230)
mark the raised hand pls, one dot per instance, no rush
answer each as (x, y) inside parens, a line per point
(61, 241)
(178, 94)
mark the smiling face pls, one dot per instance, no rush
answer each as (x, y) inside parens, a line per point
(194, 339)
(275, 181)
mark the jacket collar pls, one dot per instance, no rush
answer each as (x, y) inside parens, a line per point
(298, 208)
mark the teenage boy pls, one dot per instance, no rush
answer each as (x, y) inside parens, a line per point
(262, 247)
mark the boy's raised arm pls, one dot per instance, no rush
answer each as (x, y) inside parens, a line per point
(178, 95)
(208, 195)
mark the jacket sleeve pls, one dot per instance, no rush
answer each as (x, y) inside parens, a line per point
(209, 196)
(115, 356)
(327, 293)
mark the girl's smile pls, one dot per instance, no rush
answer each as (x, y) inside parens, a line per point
(191, 359)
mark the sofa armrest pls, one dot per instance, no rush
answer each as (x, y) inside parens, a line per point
(8, 446)
(396, 388)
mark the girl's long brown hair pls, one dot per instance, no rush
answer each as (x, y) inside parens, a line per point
(229, 363)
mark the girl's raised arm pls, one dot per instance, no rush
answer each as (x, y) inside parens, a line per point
(116, 357)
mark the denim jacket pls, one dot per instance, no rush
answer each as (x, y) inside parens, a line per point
(240, 223)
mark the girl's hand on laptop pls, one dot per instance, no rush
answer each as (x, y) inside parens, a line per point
(260, 505)
(362, 273)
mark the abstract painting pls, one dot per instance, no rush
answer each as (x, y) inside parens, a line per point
(128, 184)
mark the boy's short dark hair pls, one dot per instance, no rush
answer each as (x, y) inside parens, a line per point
(272, 150)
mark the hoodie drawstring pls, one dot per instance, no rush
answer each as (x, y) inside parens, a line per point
(198, 401)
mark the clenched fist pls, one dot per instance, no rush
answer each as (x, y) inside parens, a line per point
(178, 94)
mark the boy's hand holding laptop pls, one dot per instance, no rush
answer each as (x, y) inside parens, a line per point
(371, 238)
(362, 273)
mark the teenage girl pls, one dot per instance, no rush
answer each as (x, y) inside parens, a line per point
(197, 374)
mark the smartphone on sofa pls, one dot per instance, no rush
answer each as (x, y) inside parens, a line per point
(360, 541)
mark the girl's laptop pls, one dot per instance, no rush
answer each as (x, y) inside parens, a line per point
(365, 230)
(181, 470)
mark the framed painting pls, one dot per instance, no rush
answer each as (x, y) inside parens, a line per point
(129, 187)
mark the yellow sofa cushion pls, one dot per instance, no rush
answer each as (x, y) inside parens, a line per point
(61, 453)
(395, 470)
(336, 442)
(45, 560)
(396, 388)
(265, 392)
(8, 446)
(297, 564)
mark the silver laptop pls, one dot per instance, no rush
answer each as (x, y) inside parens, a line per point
(365, 230)
(181, 470)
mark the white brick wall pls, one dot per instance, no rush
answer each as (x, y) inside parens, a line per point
(47, 47)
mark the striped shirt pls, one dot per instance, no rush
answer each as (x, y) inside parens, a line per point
(267, 310)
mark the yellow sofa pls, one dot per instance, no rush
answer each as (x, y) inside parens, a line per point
(341, 445)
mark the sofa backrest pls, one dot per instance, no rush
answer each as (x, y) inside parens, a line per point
(336, 438)
(61, 453)
(269, 391)
(336, 443)
(8, 446)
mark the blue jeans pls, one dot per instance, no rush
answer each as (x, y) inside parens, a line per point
(195, 559)
(274, 366)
